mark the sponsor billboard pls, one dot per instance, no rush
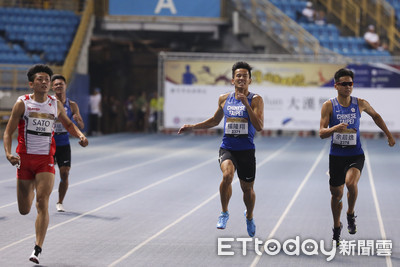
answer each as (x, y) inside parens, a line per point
(293, 93)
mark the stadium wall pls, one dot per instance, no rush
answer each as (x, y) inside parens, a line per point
(78, 91)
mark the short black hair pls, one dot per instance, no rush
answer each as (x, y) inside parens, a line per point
(343, 72)
(37, 69)
(58, 77)
(241, 65)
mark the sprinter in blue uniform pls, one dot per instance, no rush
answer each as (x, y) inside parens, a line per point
(61, 136)
(340, 120)
(244, 115)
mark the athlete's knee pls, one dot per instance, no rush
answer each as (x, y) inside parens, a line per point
(24, 210)
(64, 176)
(42, 202)
(351, 184)
(64, 173)
(227, 177)
(247, 187)
(337, 193)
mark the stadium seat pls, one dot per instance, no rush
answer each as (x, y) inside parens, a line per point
(36, 31)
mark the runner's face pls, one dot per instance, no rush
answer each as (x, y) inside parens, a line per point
(241, 79)
(344, 90)
(41, 83)
(59, 86)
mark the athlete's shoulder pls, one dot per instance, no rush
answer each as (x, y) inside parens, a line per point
(52, 97)
(327, 105)
(72, 103)
(256, 96)
(23, 97)
(362, 103)
(223, 97)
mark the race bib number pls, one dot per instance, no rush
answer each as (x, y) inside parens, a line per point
(59, 128)
(236, 126)
(345, 139)
(40, 123)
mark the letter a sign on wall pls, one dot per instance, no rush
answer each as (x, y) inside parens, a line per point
(170, 8)
(168, 4)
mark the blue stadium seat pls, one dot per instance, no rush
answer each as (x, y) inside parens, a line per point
(40, 31)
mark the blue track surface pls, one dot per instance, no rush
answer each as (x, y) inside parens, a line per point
(152, 200)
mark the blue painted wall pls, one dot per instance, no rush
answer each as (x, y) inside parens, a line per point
(174, 8)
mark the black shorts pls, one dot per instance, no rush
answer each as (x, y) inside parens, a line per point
(339, 165)
(244, 161)
(63, 156)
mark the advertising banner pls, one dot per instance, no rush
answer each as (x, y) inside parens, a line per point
(269, 74)
(173, 8)
(285, 108)
(293, 93)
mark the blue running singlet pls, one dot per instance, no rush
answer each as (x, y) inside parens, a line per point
(346, 143)
(238, 129)
(61, 135)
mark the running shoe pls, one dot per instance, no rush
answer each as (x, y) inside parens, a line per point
(336, 234)
(351, 224)
(60, 207)
(35, 254)
(251, 227)
(222, 220)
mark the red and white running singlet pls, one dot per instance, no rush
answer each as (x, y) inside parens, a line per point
(36, 128)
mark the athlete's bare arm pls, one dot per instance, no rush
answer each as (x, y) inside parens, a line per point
(16, 115)
(255, 111)
(211, 122)
(365, 106)
(326, 113)
(76, 115)
(70, 126)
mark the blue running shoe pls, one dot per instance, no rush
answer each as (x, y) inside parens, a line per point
(251, 227)
(222, 220)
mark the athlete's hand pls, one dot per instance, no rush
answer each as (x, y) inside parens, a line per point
(391, 141)
(13, 159)
(243, 98)
(341, 127)
(185, 128)
(83, 141)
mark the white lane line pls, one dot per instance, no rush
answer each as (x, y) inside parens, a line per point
(289, 206)
(269, 158)
(189, 170)
(118, 171)
(376, 202)
(86, 154)
(8, 180)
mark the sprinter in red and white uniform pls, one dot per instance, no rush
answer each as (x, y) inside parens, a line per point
(35, 115)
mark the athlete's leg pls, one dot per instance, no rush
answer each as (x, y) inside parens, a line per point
(352, 177)
(63, 186)
(225, 188)
(44, 186)
(249, 197)
(25, 195)
(336, 203)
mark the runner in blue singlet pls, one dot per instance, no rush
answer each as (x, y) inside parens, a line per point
(340, 120)
(244, 115)
(61, 136)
